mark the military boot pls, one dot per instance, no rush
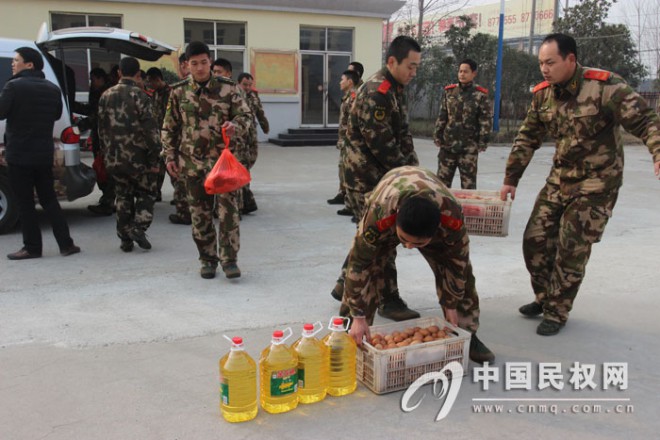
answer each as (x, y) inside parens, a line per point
(396, 309)
(231, 270)
(479, 353)
(208, 271)
(531, 309)
(138, 236)
(336, 200)
(549, 328)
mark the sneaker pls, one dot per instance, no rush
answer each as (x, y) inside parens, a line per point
(140, 238)
(101, 209)
(207, 272)
(126, 245)
(531, 309)
(345, 211)
(179, 220)
(479, 353)
(22, 254)
(549, 328)
(231, 270)
(397, 310)
(73, 249)
(336, 200)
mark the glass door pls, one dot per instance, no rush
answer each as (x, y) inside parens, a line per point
(321, 95)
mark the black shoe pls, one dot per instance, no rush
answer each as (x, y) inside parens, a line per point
(397, 310)
(22, 254)
(231, 270)
(140, 238)
(336, 293)
(336, 200)
(479, 353)
(172, 202)
(178, 220)
(549, 328)
(249, 209)
(126, 245)
(531, 309)
(159, 197)
(207, 272)
(101, 209)
(73, 249)
(345, 211)
(354, 219)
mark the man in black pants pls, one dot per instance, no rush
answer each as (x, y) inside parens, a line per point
(31, 105)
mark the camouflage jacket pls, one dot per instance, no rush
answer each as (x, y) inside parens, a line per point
(257, 109)
(583, 116)
(344, 113)
(192, 130)
(160, 97)
(465, 117)
(128, 131)
(378, 135)
(377, 234)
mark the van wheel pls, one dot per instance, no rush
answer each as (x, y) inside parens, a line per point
(8, 208)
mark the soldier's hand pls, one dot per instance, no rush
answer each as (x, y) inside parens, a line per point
(230, 128)
(437, 142)
(507, 189)
(656, 168)
(359, 329)
(451, 315)
(483, 148)
(172, 169)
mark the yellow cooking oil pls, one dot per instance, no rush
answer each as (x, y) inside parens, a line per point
(343, 351)
(238, 384)
(278, 369)
(313, 365)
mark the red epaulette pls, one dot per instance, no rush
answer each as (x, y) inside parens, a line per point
(255, 90)
(482, 89)
(598, 75)
(541, 86)
(149, 92)
(353, 95)
(451, 86)
(384, 87)
(451, 222)
(386, 223)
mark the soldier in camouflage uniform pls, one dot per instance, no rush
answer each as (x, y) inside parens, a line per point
(197, 112)
(582, 109)
(378, 141)
(412, 207)
(130, 142)
(463, 127)
(160, 94)
(246, 83)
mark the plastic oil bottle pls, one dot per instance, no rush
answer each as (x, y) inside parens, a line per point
(343, 351)
(278, 367)
(313, 365)
(238, 384)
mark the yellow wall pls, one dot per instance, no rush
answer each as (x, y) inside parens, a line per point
(265, 29)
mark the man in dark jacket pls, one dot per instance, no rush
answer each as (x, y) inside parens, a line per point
(31, 105)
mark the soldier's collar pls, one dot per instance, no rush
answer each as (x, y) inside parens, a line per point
(466, 85)
(572, 86)
(395, 83)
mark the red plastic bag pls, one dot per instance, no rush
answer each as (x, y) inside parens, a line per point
(228, 174)
(99, 168)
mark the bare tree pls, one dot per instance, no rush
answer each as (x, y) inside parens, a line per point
(643, 20)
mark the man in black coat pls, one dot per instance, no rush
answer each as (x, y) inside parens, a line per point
(31, 105)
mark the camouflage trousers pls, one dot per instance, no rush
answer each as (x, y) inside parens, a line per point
(341, 172)
(388, 289)
(180, 198)
(381, 277)
(557, 245)
(136, 195)
(202, 207)
(465, 161)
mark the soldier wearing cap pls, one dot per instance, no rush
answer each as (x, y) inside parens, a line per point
(463, 127)
(582, 109)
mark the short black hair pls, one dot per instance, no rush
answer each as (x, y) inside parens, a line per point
(244, 75)
(470, 62)
(352, 75)
(98, 72)
(155, 72)
(197, 48)
(419, 217)
(401, 46)
(129, 66)
(565, 43)
(358, 68)
(183, 58)
(33, 56)
(224, 63)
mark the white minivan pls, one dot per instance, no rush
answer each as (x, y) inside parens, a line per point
(73, 179)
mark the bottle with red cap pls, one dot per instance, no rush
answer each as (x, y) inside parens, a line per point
(278, 370)
(238, 384)
(313, 364)
(343, 352)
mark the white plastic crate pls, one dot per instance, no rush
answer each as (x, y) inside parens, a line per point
(384, 371)
(484, 212)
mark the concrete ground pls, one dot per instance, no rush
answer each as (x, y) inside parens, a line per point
(108, 345)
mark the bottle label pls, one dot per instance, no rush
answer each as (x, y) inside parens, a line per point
(224, 392)
(284, 382)
(301, 378)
